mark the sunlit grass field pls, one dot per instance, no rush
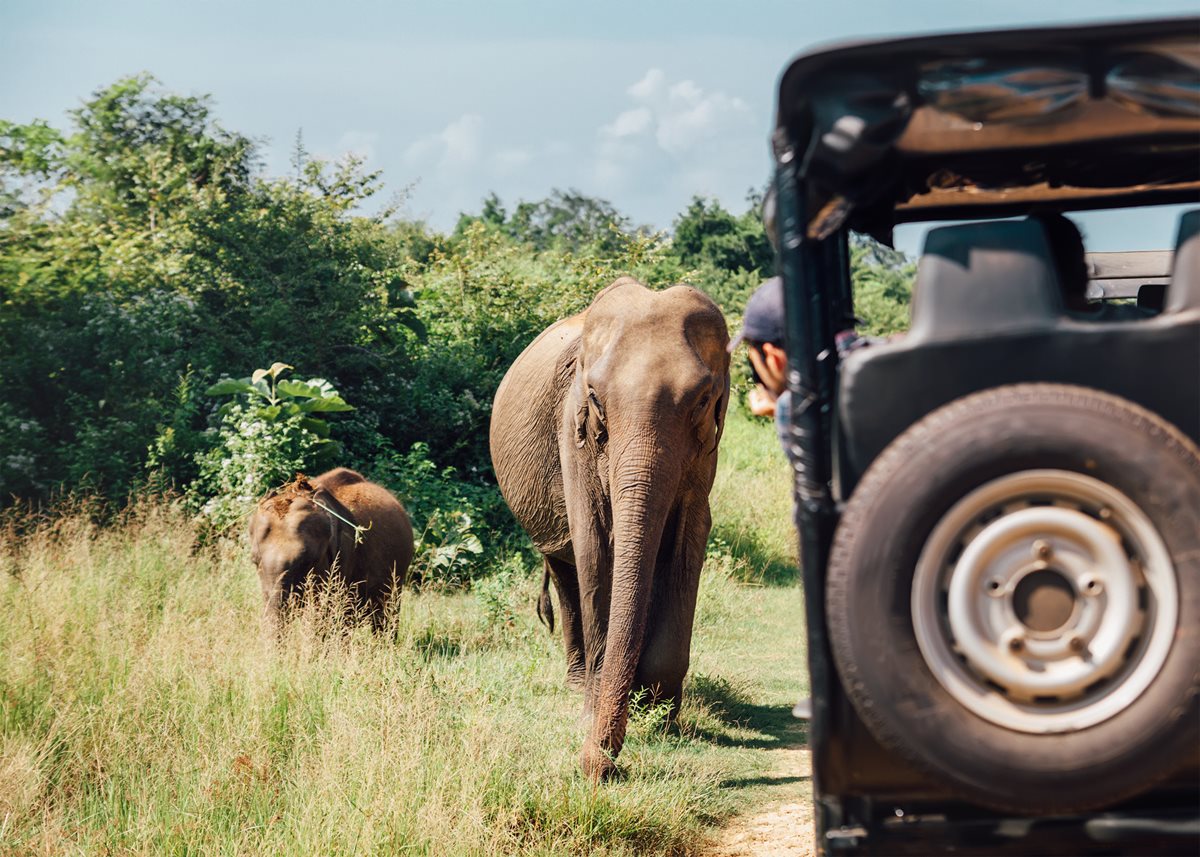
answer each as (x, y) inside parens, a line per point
(143, 710)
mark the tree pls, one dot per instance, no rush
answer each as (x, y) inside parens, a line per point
(882, 279)
(708, 234)
(140, 249)
(567, 221)
(139, 152)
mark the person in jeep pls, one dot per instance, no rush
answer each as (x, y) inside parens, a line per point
(1068, 254)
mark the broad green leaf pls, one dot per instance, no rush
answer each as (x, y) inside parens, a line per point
(229, 387)
(472, 544)
(278, 368)
(322, 384)
(318, 427)
(258, 375)
(301, 389)
(323, 406)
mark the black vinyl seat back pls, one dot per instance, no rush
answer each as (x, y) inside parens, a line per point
(988, 311)
(982, 278)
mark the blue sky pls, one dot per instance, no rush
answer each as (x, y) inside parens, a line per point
(644, 104)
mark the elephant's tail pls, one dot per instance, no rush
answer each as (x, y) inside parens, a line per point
(545, 608)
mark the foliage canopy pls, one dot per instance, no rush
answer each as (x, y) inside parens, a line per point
(144, 255)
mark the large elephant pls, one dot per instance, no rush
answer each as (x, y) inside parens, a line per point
(298, 531)
(604, 440)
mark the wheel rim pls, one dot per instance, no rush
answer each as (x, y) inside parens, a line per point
(1044, 601)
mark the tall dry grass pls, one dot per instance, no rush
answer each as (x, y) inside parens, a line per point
(143, 710)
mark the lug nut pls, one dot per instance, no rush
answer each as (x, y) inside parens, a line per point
(1077, 643)
(1042, 549)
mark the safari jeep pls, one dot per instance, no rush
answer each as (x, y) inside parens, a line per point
(999, 512)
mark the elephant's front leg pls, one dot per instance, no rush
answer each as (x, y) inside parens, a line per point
(665, 659)
(590, 533)
(636, 544)
(610, 686)
(566, 584)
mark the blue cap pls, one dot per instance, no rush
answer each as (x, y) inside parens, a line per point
(763, 319)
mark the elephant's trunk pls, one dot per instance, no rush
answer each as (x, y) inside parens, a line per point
(642, 488)
(273, 599)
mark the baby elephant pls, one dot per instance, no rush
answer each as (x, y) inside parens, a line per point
(338, 520)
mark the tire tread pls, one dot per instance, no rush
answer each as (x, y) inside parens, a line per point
(885, 467)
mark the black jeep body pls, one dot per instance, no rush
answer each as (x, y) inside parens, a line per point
(983, 129)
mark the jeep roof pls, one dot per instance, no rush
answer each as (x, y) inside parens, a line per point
(971, 125)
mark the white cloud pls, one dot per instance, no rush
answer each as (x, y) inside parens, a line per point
(630, 123)
(649, 86)
(665, 140)
(682, 115)
(684, 127)
(462, 139)
(456, 145)
(686, 91)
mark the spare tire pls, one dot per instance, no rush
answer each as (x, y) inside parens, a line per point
(1013, 598)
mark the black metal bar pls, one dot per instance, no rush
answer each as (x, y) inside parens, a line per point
(811, 360)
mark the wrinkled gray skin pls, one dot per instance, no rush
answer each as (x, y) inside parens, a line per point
(293, 540)
(604, 440)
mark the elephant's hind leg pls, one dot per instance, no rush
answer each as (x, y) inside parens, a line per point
(566, 584)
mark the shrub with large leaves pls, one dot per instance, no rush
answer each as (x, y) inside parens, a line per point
(266, 434)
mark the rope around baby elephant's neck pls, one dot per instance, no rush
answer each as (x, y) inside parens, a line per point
(358, 531)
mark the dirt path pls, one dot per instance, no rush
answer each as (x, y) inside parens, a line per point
(782, 827)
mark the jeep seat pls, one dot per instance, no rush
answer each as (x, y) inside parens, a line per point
(987, 311)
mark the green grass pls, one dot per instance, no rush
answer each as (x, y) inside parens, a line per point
(751, 502)
(142, 709)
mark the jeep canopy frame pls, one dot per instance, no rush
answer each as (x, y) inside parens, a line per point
(993, 124)
(948, 127)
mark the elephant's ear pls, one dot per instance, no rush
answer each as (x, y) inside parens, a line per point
(577, 400)
(581, 421)
(341, 533)
(710, 423)
(342, 545)
(589, 419)
(723, 404)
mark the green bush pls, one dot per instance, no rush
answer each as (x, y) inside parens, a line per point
(882, 280)
(266, 435)
(142, 253)
(501, 594)
(452, 517)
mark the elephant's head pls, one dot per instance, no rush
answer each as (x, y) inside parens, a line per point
(645, 413)
(294, 537)
(650, 389)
